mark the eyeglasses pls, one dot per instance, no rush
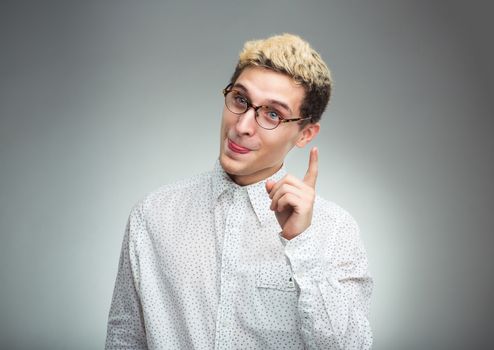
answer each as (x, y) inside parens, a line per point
(267, 117)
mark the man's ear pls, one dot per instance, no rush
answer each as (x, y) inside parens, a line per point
(307, 134)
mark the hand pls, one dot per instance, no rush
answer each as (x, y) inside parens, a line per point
(292, 199)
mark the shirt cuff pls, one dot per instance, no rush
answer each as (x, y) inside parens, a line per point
(303, 254)
(295, 239)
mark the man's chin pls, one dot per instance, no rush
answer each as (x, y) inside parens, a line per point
(231, 166)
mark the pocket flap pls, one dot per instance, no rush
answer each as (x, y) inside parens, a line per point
(275, 276)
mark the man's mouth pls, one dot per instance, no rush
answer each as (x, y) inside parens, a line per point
(237, 148)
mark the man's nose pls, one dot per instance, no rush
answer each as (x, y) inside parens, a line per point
(246, 122)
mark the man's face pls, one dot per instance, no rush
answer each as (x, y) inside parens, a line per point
(249, 153)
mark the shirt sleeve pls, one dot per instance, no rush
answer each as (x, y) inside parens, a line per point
(330, 268)
(125, 321)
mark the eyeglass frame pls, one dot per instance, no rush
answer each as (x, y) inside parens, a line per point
(229, 88)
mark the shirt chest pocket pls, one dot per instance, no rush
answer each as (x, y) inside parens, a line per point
(278, 295)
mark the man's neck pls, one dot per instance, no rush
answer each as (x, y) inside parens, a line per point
(263, 174)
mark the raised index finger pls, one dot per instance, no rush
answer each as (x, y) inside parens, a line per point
(311, 175)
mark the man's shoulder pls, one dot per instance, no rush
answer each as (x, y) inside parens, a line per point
(329, 212)
(333, 228)
(195, 187)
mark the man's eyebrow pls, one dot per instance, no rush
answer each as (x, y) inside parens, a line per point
(243, 89)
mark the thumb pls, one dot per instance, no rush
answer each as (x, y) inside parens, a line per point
(269, 185)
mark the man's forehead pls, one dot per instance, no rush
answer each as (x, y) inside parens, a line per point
(240, 87)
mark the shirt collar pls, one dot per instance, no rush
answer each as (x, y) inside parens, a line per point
(258, 196)
(221, 182)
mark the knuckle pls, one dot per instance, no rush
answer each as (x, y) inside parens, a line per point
(289, 177)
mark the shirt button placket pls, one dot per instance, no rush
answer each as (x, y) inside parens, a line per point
(227, 288)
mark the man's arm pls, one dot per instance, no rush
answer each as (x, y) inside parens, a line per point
(125, 321)
(335, 288)
(329, 266)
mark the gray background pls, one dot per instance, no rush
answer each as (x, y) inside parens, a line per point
(102, 102)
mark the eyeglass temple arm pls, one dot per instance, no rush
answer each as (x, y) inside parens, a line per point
(227, 88)
(293, 120)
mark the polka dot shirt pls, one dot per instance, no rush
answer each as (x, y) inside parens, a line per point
(203, 266)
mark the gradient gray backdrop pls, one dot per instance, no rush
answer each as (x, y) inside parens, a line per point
(102, 102)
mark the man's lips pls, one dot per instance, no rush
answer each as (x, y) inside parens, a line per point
(237, 148)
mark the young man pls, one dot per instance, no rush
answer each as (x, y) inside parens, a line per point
(247, 256)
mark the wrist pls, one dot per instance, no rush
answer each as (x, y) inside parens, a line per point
(289, 235)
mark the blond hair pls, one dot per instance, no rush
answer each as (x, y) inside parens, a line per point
(291, 55)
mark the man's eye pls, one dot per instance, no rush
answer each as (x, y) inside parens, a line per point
(273, 114)
(240, 100)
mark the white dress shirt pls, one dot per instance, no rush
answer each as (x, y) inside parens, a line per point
(203, 266)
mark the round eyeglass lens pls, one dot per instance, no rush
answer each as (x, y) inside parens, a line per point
(267, 117)
(235, 102)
